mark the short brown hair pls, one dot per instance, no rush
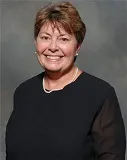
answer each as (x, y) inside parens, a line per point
(63, 15)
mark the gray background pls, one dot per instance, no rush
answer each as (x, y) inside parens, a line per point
(103, 52)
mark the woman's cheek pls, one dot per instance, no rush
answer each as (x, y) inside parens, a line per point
(42, 47)
(39, 48)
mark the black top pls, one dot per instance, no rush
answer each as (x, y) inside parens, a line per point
(80, 122)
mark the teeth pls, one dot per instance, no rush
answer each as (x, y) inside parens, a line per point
(53, 57)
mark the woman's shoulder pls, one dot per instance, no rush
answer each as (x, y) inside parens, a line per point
(95, 83)
(30, 83)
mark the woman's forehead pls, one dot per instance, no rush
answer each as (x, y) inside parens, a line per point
(52, 27)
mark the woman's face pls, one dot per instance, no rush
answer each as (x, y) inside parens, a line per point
(56, 50)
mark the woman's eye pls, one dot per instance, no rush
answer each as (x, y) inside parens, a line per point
(64, 39)
(44, 37)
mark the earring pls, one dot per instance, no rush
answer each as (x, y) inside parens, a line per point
(75, 57)
(35, 52)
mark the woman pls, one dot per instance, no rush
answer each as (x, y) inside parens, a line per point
(64, 113)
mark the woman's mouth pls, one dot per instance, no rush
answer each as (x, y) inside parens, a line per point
(54, 58)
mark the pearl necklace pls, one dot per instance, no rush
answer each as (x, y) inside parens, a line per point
(43, 83)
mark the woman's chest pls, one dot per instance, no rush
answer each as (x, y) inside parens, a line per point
(57, 126)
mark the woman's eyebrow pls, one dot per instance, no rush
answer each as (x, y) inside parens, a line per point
(64, 34)
(45, 33)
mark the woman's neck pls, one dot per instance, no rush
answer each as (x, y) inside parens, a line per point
(55, 81)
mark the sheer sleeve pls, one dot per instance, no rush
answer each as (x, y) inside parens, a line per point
(108, 131)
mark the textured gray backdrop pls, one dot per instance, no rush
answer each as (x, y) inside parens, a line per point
(103, 53)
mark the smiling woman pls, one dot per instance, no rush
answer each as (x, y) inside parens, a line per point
(64, 113)
(59, 32)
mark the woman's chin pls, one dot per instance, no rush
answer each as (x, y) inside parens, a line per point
(52, 69)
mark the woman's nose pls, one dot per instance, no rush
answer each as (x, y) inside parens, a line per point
(53, 46)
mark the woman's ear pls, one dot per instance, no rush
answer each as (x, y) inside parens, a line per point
(78, 47)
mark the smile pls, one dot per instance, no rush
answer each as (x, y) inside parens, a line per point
(54, 58)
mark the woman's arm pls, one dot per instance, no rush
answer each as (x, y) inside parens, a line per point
(108, 130)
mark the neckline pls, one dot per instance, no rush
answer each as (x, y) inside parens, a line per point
(62, 89)
(49, 91)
